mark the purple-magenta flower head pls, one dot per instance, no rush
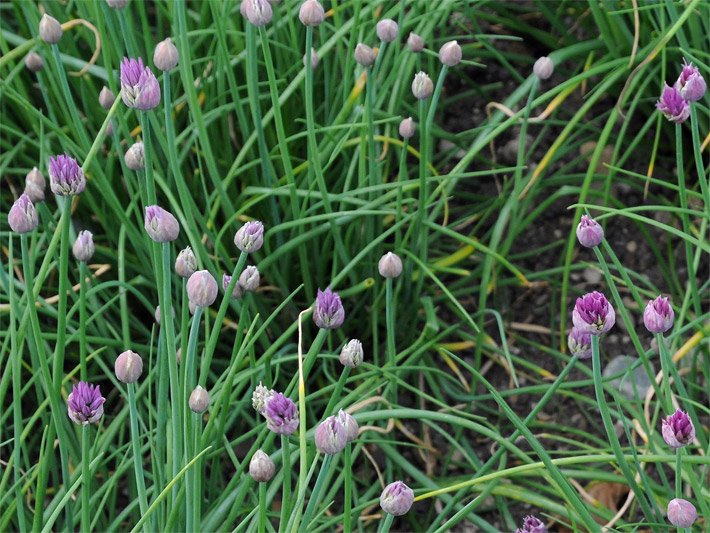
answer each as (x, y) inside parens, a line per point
(331, 436)
(532, 524)
(397, 498)
(202, 288)
(83, 248)
(673, 106)
(161, 225)
(681, 513)
(678, 429)
(139, 87)
(589, 232)
(329, 312)
(579, 343)
(690, 84)
(65, 176)
(250, 237)
(350, 424)
(23, 215)
(658, 315)
(85, 403)
(281, 414)
(593, 314)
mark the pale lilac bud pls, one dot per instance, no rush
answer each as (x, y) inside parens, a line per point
(350, 425)
(165, 56)
(422, 86)
(415, 43)
(328, 312)
(237, 290)
(109, 128)
(249, 279)
(250, 237)
(260, 396)
(330, 436)
(199, 400)
(106, 98)
(128, 367)
(407, 128)
(543, 69)
(50, 31)
(258, 12)
(690, 84)
(185, 263)
(390, 265)
(678, 429)
(397, 498)
(83, 248)
(23, 215)
(261, 467)
(681, 513)
(364, 55)
(387, 30)
(202, 288)
(579, 343)
(658, 315)
(139, 87)
(158, 315)
(352, 354)
(281, 414)
(35, 185)
(85, 404)
(34, 62)
(593, 314)
(65, 176)
(135, 156)
(450, 54)
(314, 59)
(117, 4)
(311, 13)
(178, 355)
(589, 232)
(673, 106)
(161, 225)
(532, 524)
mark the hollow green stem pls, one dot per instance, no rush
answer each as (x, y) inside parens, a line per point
(386, 523)
(347, 511)
(666, 364)
(137, 455)
(286, 491)
(315, 494)
(148, 155)
(336, 393)
(82, 320)
(391, 349)
(85, 479)
(678, 472)
(262, 507)
(190, 426)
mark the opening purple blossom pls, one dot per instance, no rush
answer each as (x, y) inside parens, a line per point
(593, 314)
(139, 87)
(589, 232)
(281, 414)
(329, 312)
(65, 176)
(690, 84)
(331, 436)
(85, 403)
(658, 316)
(678, 429)
(579, 343)
(673, 106)
(532, 524)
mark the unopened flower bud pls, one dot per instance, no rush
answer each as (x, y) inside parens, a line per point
(106, 98)
(202, 288)
(422, 86)
(158, 315)
(161, 225)
(34, 62)
(199, 400)
(261, 467)
(450, 54)
(311, 13)
(387, 30)
(543, 68)
(66, 178)
(658, 315)
(258, 12)
(50, 31)
(83, 248)
(281, 414)
(109, 128)
(397, 498)
(364, 55)
(135, 157)
(350, 425)
(390, 265)
(185, 263)
(415, 43)
(139, 86)
(117, 4)
(329, 312)
(250, 237)
(128, 367)
(165, 56)
(681, 513)
(314, 59)
(249, 279)
(237, 290)
(35, 185)
(352, 354)
(678, 429)
(407, 128)
(589, 232)
(579, 343)
(23, 215)
(330, 436)
(690, 84)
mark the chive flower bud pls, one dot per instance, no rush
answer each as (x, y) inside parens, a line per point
(165, 56)
(135, 156)
(139, 87)
(543, 69)
(314, 59)
(178, 355)
(34, 62)
(450, 54)
(690, 84)
(250, 237)
(128, 367)
(387, 30)
(407, 128)
(593, 314)
(579, 343)
(23, 215)
(35, 185)
(237, 291)
(415, 43)
(678, 429)
(117, 4)
(311, 13)
(199, 400)
(330, 436)
(364, 55)
(202, 288)
(422, 86)
(673, 106)
(85, 404)
(261, 467)
(658, 315)
(260, 396)
(681, 513)
(352, 354)
(390, 265)
(329, 312)
(50, 31)
(161, 225)
(249, 279)
(397, 498)
(106, 98)
(281, 414)
(158, 315)
(65, 176)
(589, 232)
(185, 263)
(350, 425)
(532, 524)
(258, 12)
(83, 248)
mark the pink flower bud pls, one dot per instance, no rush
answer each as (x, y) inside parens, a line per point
(106, 98)
(387, 30)
(397, 498)
(350, 425)
(165, 56)
(364, 55)
(23, 215)
(261, 467)
(314, 59)
(543, 68)
(35, 185)
(407, 128)
(135, 156)
(281, 414)
(237, 290)
(202, 288)
(390, 265)
(352, 354)
(422, 86)
(690, 84)
(258, 12)
(249, 279)
(415, 43)
(589, 232)
(311, 13)
(34, 62)
(250, 237)
(658, 315)
(161, 225)
(199, 400)
(186, 263)
(83, 248)
(678, 429)
(330, 436)
(50, 31)
(681, 513)
(450, 54)
(579, 343)
(128, 367)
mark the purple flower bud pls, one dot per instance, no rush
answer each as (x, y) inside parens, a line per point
(85, 404)
(65, 176)
(314, 59)
(161, 225)
(35, 185)
(364, 55)
(579, 343)
(261, 467)
(673, 106)
(117, 4)
(450, 54)
(330, 436)
(351, 355)
(249, 279)
(690, 84)
(135, 156)
(415, 43)
(397, 498)
(422, 86)
(106, 98)
(658, 315)
(250, 237)
(589, 232)
(84, 246)
(350, 425)
(258, 12)
(311, 13)
(390, 265)
(237, 290)
(281, 414)
(260, 396)
(407, 128)
(23, 215)
(681, 513)
(109, 128)
(387, 30)
(50, 31)
(165, 56)
(532, 524)
(593, 314)
(678, 429)
(199, 400)
(34, 62)
(139, 87)
(128, 367)
(202, 288)
(329, 312)
(185, 263)
(543, 69)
